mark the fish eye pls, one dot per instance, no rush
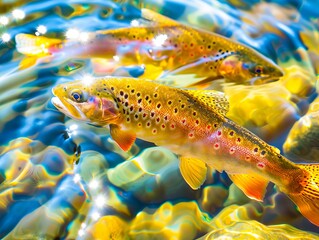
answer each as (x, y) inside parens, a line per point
(259, 70)
(77, 95)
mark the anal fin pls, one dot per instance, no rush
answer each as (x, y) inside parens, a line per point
(254, 186)
(193, 171)
(28, 62)
(124, 138)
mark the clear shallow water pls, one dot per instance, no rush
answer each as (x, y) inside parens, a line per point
(141, 194)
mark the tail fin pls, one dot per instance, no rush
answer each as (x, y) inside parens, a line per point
(308, 199)
(35, 47)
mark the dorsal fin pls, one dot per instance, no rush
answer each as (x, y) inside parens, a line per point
(212, 99)
(157, 18)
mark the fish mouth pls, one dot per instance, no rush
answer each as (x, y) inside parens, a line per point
(264, 79)
(65, 106)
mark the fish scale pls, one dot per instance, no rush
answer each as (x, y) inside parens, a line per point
(155, 109)
(192, 124)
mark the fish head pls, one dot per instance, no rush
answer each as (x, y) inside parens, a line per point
(88, 103)
(242, 68)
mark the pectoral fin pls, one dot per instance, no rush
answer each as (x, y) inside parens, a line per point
(253, 186)
(193, 171)
(123, 138)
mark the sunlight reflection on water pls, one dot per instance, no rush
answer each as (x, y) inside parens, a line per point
(62, 178)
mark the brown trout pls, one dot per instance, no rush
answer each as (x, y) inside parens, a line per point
(192, 124)
(164, 47)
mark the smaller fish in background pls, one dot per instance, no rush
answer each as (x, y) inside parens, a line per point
(165, 47)
(192, 124)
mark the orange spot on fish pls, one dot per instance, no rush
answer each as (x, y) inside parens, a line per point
(232, 150)
(261, 165)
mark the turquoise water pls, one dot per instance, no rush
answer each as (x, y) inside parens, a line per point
(64, 179)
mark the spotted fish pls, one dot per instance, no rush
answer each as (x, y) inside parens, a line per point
(164, 47)
(192, 124)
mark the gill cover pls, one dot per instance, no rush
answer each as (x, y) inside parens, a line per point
(86, 104)
(241, 68)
